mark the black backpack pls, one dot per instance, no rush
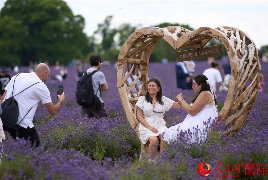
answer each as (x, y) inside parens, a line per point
(85, 95)
(10, 111)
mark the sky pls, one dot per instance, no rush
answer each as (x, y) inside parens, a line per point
(250, 16)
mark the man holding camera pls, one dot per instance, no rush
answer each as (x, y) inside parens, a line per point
(99, 84)
(35, 90)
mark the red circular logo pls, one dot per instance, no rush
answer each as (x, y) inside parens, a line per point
(201, 171)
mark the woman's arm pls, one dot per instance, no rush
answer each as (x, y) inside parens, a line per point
(176, 105)
(143, 122)
(3, 97)
(199, 103)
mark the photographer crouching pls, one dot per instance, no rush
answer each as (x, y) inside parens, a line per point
(26, 90)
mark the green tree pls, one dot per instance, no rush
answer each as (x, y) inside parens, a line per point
(166, 24)
(107, 34)
(12, 34)
(110, 55)
(90, 47)
(262, 50)
(214, 42)
(125, 30)
(123, 33)
(53, 32)
(162, 49)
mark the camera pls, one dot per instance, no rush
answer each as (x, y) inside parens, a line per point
(60, 91)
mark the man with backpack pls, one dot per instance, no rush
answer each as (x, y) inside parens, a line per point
(26, 90)
(89, 87)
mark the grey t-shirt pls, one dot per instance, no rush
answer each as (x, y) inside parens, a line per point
(98, 79)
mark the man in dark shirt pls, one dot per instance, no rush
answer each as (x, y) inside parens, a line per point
(4, 79)
(226, 69)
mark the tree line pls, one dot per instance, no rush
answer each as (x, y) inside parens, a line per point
(46, 30)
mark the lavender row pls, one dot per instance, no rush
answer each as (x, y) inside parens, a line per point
(75, 147)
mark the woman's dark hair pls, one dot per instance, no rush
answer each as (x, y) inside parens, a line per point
(202, 80)
(159, 93)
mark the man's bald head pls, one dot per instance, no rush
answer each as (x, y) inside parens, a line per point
(40, 68)
(42, 71)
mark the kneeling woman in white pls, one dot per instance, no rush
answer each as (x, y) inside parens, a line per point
(150, 112)
(201, 110)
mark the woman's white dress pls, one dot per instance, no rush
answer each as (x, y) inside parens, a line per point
(153, 116)
(2, 134)
(197, 124)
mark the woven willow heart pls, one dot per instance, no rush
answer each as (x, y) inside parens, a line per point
(243, 56)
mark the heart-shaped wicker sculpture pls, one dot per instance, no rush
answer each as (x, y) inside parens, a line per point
(243, 57)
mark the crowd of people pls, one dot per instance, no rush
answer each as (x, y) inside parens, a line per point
(150, 108)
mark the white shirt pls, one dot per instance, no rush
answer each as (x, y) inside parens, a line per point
(213, 76)
(63, 72)
(30, 97)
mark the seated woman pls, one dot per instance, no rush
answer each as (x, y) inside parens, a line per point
(2, 134)
(150, 112)
(63, 72)
(201, 110)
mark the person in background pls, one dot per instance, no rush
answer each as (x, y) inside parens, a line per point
(116, 64)
(31, 67)
(57, 66)
(129, 80)
(261, 82)
(164, 61)
(214, 76)
(80, 71)
(226, 70)
(56, 78)
(63, 72)
(182, 75)
(190, 65)
(12, 66)
(16, 69)
(4, 79)
(47, 63)
(210, 60)
(99, 84)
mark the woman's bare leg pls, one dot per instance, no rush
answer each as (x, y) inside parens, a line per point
(163, 143)
(154, 142)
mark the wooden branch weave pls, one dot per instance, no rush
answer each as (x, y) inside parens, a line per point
(243, 57)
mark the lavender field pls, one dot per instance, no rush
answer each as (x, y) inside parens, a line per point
(75, 147)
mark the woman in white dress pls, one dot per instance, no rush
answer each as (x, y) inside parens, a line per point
(201, 112)
(150, 112)
(2, 134)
